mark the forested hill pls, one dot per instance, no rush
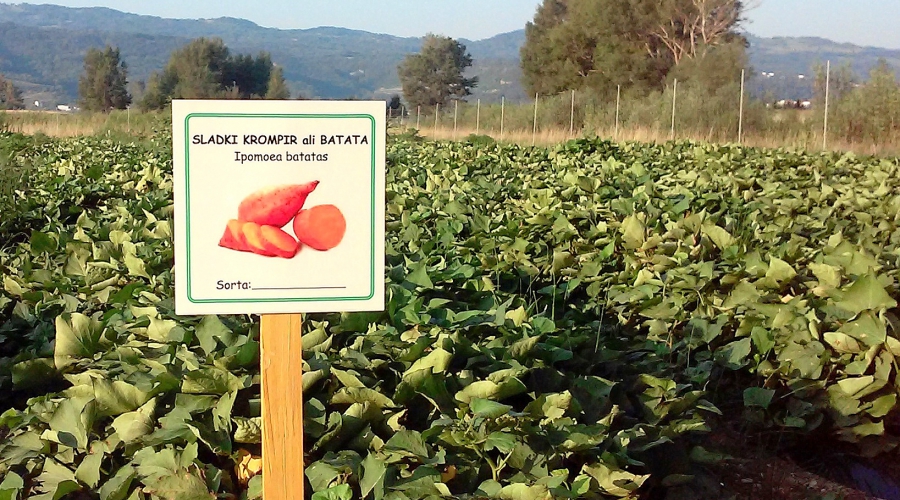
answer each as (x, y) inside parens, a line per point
(324, 62)
(42, 48)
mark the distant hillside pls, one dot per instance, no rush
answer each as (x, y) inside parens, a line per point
(789, 57)
(319, 63)
(42, 48)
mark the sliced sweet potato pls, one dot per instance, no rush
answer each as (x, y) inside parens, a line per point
(253, 234)
(233, 237)
(278, 242)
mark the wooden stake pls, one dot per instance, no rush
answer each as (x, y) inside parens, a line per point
(281, 363)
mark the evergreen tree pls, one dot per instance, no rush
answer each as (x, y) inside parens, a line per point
(103, 84)
(10, 96)
(277, 87)
(435, 75)
(205, 69)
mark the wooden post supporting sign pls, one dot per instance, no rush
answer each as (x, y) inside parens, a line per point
(281, 363)
(279, 211)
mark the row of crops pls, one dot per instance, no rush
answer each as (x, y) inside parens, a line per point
(556, 321)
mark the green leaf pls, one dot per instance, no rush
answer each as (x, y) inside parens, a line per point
(374, 471)
(734, 355)
(883, 405)
(632, 233)
(618, 483)
(486, 389)
(11, 486)
(11, 286)
(118, 397)
(868, 328)
(410, 442)
(77, 337)
(210, 330)
(517, 316)
(854, 385)
(41, 243)
(504, 442)
(718, 235)
(56, 481)
(842, 343)
(117, 487)
(180, 486)
(248, 430)
(211, 380)
(520, 491)
(71, 422)
(779, 272)
(419, 276)
(488, 409)
(758, 397)
(339, 492)
(88, 471)
(866, 294)
(135, 266)
(134, 425)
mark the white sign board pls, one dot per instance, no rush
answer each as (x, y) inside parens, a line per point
(279, 206)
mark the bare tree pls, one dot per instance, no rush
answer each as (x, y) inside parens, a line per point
(689, 26)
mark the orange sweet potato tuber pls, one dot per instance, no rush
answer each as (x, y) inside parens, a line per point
(275, 205)
(321, 227)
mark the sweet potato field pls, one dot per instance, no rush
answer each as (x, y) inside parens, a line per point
(563, 322)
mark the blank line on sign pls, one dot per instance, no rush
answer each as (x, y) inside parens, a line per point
(304, 288)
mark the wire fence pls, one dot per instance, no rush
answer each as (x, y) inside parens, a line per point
(681, 111)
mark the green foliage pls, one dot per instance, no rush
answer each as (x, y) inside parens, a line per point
(10, 95)
(599, 44)
(205, 68)
(435, 75)
(103, 84)
(554, 318)
(868, 113)
(277, 88)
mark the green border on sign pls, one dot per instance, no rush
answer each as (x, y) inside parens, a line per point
(187, 176)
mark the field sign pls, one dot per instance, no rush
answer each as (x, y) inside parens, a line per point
(279, 210)
(279, 206)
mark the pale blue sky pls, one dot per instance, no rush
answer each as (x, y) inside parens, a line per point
(863, 22)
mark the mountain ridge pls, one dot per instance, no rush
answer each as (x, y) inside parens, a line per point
(327, 61)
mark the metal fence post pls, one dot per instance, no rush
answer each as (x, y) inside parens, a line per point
(741, 111)
(674, 98)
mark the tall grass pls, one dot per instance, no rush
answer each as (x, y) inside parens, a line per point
(118, 123)
(699, 115)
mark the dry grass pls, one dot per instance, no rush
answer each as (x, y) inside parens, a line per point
(547, 137)
(62, 124)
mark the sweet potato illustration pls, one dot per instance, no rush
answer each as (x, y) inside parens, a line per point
(278, 242)
(321, 227)
(275, 205)
(268, 241)
(253, 234)
(233, 237)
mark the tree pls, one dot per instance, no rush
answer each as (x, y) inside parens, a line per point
(103, 84)
(10, 96)
(277, 88)
(206, 69)
(435, 75)
(599, 44)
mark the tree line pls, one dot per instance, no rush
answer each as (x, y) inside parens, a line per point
(203, 69)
